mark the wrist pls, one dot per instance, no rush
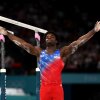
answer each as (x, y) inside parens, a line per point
(8, 34)
(94, 30)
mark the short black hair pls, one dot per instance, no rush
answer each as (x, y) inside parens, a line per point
(50, 32)
(43, 40)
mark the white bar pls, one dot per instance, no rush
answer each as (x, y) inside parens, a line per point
(11, 21)
(37, 69)
(3, 70)
(10, 31)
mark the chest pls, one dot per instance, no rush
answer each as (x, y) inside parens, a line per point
(49, 57)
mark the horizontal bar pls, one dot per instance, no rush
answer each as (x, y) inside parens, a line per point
(14, 22)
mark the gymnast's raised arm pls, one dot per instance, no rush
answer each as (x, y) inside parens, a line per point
(66, 51)
(34, 50)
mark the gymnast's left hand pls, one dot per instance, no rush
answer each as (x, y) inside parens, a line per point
(3, 31)
(97, 26)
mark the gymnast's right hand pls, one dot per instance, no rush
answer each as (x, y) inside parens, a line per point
(3, 31)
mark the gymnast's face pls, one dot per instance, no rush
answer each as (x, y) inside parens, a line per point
(50, 39)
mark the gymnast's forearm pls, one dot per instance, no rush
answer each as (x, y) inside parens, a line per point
(83, 39)
(18, 41)
(34, 50)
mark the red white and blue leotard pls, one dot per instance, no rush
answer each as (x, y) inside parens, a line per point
(51, 66)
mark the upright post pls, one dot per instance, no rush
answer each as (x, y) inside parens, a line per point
(3, 70)
(37, 37)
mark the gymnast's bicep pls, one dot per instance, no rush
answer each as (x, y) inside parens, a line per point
(34, 50)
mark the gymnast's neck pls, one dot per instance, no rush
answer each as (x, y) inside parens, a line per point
(51, 49)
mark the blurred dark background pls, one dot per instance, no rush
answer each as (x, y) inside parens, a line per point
(69, 20)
